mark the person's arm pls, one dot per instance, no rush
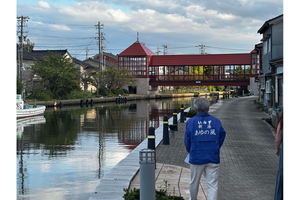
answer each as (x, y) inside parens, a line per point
(222, 135)
(278, 139)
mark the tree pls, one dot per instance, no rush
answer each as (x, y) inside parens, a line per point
(114, 77)
(220, 87)
(57, 73)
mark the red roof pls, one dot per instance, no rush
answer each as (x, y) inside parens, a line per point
(198, 59)
(137, 49)
(253, 51)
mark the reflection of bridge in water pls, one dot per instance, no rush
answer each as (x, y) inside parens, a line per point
(188, 70)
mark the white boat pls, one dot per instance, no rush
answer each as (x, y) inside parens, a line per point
(28, 110)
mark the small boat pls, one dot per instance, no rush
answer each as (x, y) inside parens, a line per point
(28, 110)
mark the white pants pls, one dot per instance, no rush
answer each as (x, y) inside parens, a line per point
(211, 178)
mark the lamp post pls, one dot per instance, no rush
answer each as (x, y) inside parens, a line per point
(147, 174)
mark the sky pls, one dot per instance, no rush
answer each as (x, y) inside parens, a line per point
(223, 26)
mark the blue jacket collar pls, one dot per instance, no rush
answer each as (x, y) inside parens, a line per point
(203, 114)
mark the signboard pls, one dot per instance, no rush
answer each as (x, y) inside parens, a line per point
(198, 81)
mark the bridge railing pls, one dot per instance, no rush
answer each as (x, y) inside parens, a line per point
(226, 77)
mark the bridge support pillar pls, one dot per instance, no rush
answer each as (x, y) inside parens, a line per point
(143, 87)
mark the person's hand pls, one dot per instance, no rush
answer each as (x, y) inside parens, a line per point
(278, 152)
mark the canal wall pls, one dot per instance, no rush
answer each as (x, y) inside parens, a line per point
(131, 97)
(121, 99)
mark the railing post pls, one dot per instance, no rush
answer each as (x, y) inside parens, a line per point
(175, 118)
(166, 130)
(151, 141)
(181, 114)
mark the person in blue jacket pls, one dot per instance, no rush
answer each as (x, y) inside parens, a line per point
(204, 136)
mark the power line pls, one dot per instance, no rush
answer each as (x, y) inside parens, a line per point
(228, 48)
(59, 37)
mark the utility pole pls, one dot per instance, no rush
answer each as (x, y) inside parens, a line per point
(165, 48)
(100, 38)
(100, 26)
(201, 48)
(21, 23)
(157, 53)
(87, 54)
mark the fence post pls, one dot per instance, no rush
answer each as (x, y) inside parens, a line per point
(181, 114)
(151, 141)
(166, 130)
(175, 118)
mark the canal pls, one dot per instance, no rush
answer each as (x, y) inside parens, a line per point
(64, 154)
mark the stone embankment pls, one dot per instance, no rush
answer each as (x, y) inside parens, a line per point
(131, 97)
(120, 99)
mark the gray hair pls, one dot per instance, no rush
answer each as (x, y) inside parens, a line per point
(202, 105)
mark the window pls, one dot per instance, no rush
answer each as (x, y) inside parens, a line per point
(265, 47)
(269, 45)
(253, 58)
(262, 82)
(268, 86)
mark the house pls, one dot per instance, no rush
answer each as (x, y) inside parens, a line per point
(271, 73)
(84, 71)
(110, 60)
(32, 81)
(271, 66)
(108, 57)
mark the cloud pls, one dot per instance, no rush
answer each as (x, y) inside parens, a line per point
(43, 4)
(229, 23)
(60, 27)
(93, 12)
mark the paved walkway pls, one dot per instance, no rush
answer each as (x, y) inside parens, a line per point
(248, 166)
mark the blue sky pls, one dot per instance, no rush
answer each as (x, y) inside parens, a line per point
(223, 26)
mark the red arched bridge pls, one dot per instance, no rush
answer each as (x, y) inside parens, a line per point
(185, 70)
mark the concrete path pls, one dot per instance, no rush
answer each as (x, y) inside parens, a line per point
(248, 166)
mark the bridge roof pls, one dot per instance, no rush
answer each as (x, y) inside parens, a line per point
(198, 59)
(137, 49)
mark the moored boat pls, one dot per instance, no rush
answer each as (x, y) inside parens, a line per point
(28, 110)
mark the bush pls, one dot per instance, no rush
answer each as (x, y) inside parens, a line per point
(117, 91)
(191, 113)
(125, 91)
(159, 195)
(79, 94)
(103, 91)
(41, 95)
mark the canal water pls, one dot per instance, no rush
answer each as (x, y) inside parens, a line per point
(65, 153)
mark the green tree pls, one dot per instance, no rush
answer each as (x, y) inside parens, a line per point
(220, 87)
(211, 88)
(114, 77)
(57, 73)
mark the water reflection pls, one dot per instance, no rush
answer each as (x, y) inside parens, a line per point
(65, 156)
